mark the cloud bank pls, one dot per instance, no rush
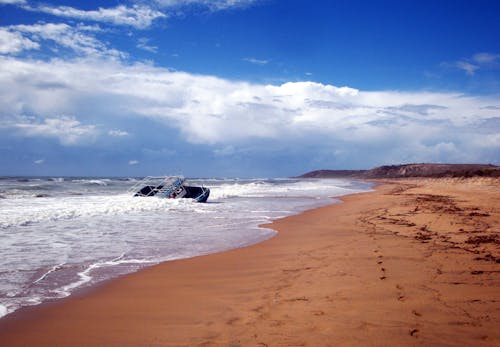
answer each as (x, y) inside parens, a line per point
(324, 123)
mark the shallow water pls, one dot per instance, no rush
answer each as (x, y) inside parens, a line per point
(59, 234)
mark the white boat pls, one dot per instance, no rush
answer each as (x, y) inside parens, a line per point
(170, 187)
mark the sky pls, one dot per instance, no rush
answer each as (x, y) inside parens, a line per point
(246, 88)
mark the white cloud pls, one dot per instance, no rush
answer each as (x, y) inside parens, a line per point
(478, 61)
(486, 58)
(78, 39)
(67, 130)
(214, 5)
(14, 42)
(117, 133)
(137, 16)
(13, 2)
(469, 68)
(39, 161)
(256, 61)
(142, 43)
(133, 162)
(227, 114)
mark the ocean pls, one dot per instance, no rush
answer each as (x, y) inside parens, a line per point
(61, 234)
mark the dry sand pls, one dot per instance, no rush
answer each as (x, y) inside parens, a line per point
(415, 263)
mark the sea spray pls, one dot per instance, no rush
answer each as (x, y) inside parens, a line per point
(3, 310)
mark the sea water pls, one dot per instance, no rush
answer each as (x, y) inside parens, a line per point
(61, 234)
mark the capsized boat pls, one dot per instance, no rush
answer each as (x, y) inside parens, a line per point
(170, 187)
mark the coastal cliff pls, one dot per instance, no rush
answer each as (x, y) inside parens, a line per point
(411, 170)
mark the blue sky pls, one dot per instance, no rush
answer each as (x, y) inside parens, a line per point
(240, 88)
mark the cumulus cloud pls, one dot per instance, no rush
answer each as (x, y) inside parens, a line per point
(14, 42)
(133, 162)
(137, 16)
(228, 115)
(68, 130)
(39, 161)
(79, 39)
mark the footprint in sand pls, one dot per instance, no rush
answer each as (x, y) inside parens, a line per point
(379, 257)
(301, 298)
(418, 314)
(414, 332)
(400, 293)
(233, 320)
(383, 272)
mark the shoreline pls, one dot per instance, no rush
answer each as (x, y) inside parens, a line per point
(88, 289)
(88, 284)
(336, 274)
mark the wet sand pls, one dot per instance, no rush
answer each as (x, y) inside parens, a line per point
(417, 262)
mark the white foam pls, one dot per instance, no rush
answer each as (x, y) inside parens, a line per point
(53, 269)
(35, 300)
(102, 182)
(300, 188)
(85, 275)
(3, 310)
(57, 179)
(21, 212)
(27, 211)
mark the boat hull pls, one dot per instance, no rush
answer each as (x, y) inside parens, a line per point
(200, 194)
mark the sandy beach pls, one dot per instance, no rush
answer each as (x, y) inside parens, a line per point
(416, 262)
